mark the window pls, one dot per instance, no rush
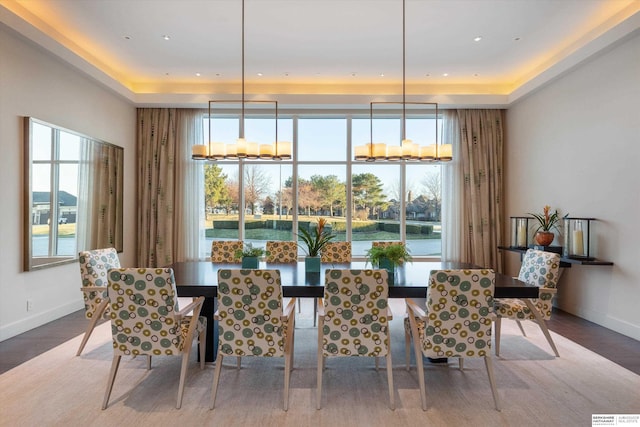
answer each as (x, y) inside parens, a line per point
(362, 201)
(54, 190)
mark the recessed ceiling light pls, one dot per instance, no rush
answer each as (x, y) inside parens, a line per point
(476, 74)
(477, 39)
(353, 74)
(259, 74)
(127, 37)
(218, 74)
(166, 37)
(198, 74)
(427, 75)
(517, 39)
(381, 74)
(445, 74)
(286, 74)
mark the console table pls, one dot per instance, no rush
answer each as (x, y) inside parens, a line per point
(565, 262)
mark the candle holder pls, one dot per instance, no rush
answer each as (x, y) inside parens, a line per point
(577, 238)
(520, 232)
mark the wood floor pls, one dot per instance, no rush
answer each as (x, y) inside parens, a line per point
(616, 347)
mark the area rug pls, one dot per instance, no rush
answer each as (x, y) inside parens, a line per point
(536, 388)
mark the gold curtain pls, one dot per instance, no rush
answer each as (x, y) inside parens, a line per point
(156, 156)
(482, 141)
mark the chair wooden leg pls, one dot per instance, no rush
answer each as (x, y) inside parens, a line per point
(521, 328)
(461, 363)
(238, 363)
(287, 378)
(419, 362)
(320, 366)
(112, 376)
(498, 324)
(407, 348)
(202, 345)
(183, 376)
(377, 364)
(489, 364)
(216, 379)
(543, 325)
(148, 362)
(97, 314)
(392, 400)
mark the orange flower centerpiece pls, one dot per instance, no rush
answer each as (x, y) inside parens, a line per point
(546, 222)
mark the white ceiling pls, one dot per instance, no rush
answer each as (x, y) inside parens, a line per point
(323, 48)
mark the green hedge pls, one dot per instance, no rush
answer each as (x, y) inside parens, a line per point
(414, 228)
(225, 224)
(391, 227)
(279, 224)
(426, 229)
(364, 226)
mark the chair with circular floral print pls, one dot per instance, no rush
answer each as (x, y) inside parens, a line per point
(384, 244)
(541, 269)
(93, 271)
(146, 320)
(353, 320)
(457, 321)
(252, 322)
(336, 252)
(281, 251)
(224, 251)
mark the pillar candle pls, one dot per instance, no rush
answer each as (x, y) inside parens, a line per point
(522, 236)
(578, 243)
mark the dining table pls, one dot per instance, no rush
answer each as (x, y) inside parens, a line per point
(410, 280)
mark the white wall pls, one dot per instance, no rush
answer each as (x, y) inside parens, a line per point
(575, 145)
(32, 83)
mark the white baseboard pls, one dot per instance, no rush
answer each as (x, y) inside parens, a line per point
(606, 321)
(39, 319)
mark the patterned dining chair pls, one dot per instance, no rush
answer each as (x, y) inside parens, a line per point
(336, 252)
(384, 244)
(281, 251)
(251, 321)
(353, 320)
(541, 269)
(224, 251)
(457, 321)
(94, 265)
(146, 320)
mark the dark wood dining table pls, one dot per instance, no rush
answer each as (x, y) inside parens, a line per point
(200, 278)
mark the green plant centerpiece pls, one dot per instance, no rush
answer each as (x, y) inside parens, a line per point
(313, 241)
(547, 222)
(388, 257)
(250, 255)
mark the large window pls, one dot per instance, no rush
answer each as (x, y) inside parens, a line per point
(55, 189)
(363, 202)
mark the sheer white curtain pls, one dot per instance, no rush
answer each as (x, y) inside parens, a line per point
(85, 214)
(190, 213)
(452, 191)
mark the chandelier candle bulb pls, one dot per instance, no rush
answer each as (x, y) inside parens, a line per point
(394, 152)
(379, 151)
(284, 150)
(363, 152)
(199, 151)
(253, 150)
(266, 151)
(241, 148)
(231, 151)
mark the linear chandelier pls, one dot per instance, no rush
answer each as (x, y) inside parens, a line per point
(408, 150)
(242, 149)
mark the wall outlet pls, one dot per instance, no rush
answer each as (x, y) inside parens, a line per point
(29, 305)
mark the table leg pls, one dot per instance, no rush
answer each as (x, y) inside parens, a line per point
(208, 309)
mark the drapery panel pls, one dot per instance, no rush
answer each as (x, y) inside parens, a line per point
(100, 195)
(481, 150)
(170, 188)
(156, 147)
